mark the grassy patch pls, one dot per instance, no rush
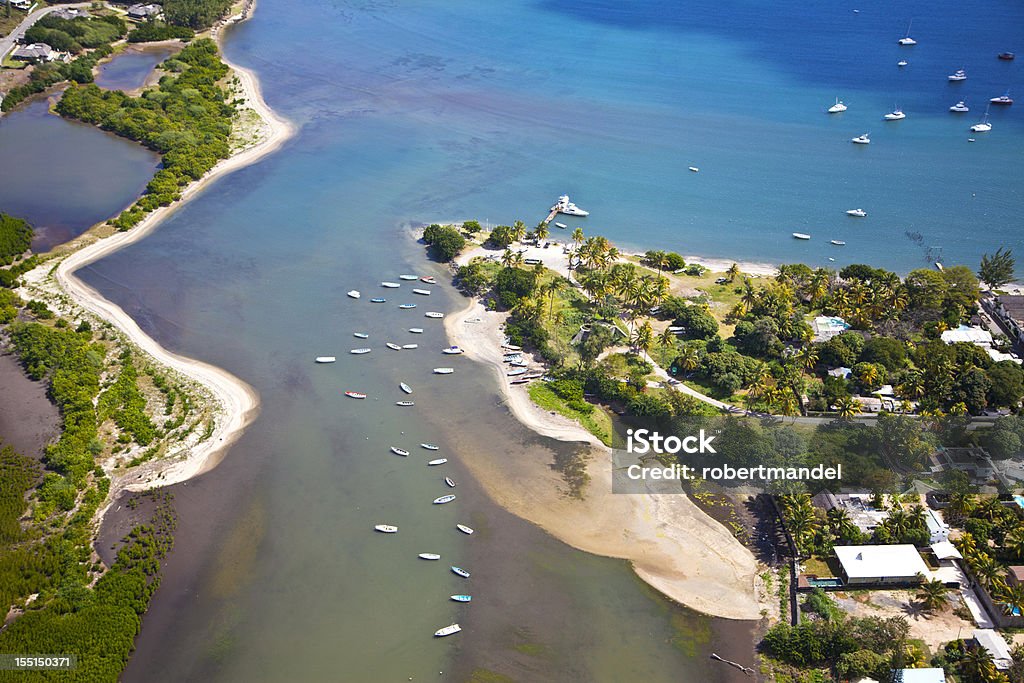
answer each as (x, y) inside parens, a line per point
(598, 422)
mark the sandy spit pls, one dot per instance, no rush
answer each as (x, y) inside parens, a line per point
(673, 545)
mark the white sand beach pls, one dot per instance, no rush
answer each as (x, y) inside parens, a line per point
(673, 545)
(238, 403)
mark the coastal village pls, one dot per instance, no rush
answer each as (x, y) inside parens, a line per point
(926, 548)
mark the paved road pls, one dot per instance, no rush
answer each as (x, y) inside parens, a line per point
(8, 41)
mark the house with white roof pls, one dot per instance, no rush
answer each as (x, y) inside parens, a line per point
(938, 530)
(880, 564)
(996, 646)
(928, 675)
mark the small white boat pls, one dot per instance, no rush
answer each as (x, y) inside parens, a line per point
(447, 630)
(958, 75)
(416, 330)
(325, 359)
(907, 40)
(512, 347)
(452, 350)
(859, 213)
(430, 446)
(429, 556)
(694, 169)
(386, 528)
(393, 346)
(960, 107)
(354, 293)
(399, 451)
(421, 292)
(464, 529)
(404, 404)
(982, 126)
(443, 371)
(439, 461)
(429, 279)
(902, 63)
(405, 387)
(450, 482)
(563, 226)
(441, 500)
(839, 243)
(801, 236)
(407, 277)
(409, 347)
(461, 572)
(516, 372)
(861, 140)
(355, 394)
(837, 107)
(360, 335)
(378, 300)
(433, 314)
(359, 352)
(895, 115)
(406, 307)
(390, 285)
(462, 598)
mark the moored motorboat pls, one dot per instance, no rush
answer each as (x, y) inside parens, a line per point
(407, 277)
(409, 347)
(361, 335)
(325, 359)
(355, 394)
(958, 75)
(464, 529)
(1006, 56)
(859, 213)
(516, 372)
(439, 461)
(441, 500)
(416, 330)
(694, 169)
(421, 292)
(861, 140)
(450, 482)
(406, 307)
(447, 630)
(378, 300)
(429, 279)
(405, 404)
(452, 350)
(960, 107)
(838, 107)
(1003, 100)
(895, 115)
(443, 371)
(361, 351)
(429, 556)
(405, 387)
(399, 451)
(565, 206)
(386, 528)
(393, 346)
(839, 243)
(461, 572)
(563, 226)
(902, 63)
(433, 314)
(430, 446)
(462, 598)
(801, 236)
(354, 293)
(390, 285)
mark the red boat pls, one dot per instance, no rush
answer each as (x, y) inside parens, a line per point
(354, 394)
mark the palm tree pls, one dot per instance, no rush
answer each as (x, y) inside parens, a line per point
(932, 595)
(577, 237)
(508, 258)
(988, 569)
(977, 666)
(667, 339)
(732, 273)
(550, 289)
(518, 231)
(1014, 542)
(847, 408)
(644, 337)
(541, 232)
(749, 297)
(689, 358)
(1012, 598)
(808, 357)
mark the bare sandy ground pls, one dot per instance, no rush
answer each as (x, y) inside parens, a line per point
(672, 544)
(237, 403)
